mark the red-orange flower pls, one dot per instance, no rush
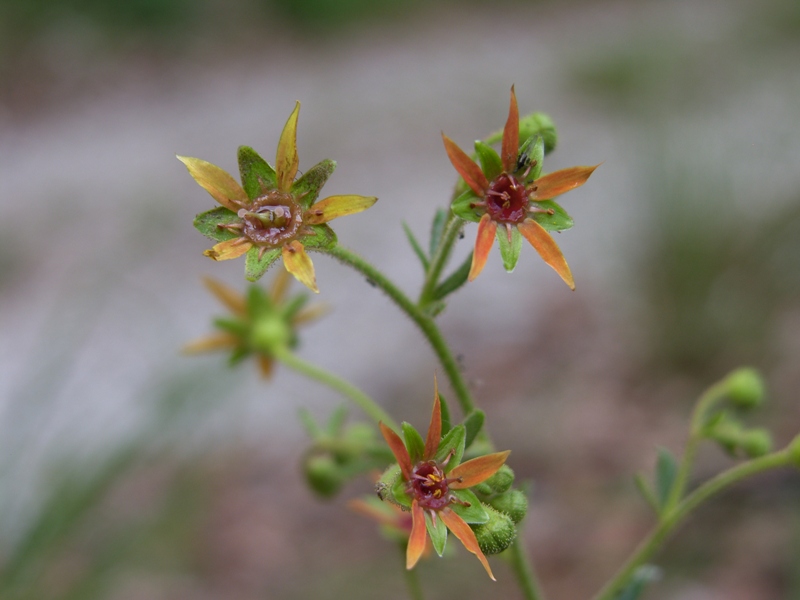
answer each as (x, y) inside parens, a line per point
(435, 486)
(510, 199)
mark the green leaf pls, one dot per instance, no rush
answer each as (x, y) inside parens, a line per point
(323, 237)
(474, 513)
(437, 228)
(208, 223)
(533, 152)
(456, 279)
(258, 177)
(558, 221)
(473, 425)
(666, 470)
(231, 325)
(509, 250)
(254, 268)
(452, 442)
(639, 580)
(309, 424)
(238, 355)
(399, 493)
(414, 443)
(294, 306)
(438, 533)
(646, 491)
(415, 245)
(462, 208)
(336, 421)
(310, 184)
(489, 159)
(446, 422)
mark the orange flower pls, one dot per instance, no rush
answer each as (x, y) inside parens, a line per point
(271, 214)
(435, 487)
(510, 199)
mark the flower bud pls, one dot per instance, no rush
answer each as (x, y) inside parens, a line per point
(745, 387)
(498, 483)
(756, 442)
(540, 123)
(323, 475)
(496, 534)
(514, 503)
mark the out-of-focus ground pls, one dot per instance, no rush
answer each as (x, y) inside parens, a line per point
(129, 472)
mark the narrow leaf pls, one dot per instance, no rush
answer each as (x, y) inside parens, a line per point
(666, 470)
(647, 492)
(473, 425)
(456, 279)
(416, 247)
(414, 443)
(446, 422)
(437, 228)
(336, 421)
(641, 577)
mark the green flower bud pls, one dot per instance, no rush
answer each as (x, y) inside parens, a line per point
(496, 534)
(540, 123)
(794, 451)
(514, 503)
(500, 482)
(756, 442)
(323, 475)
(270, 332)
(745, 387)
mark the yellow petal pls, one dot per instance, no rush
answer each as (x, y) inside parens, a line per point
(229, 297)
(286, 160)
(297, 262)
(483, 244)
(333, 207)
(558, 182)
(477, 470)
(216, 182)
(419, 534)
(229, 249)
(465, 535)
(211, 343)
(547, 248)
(510, 147)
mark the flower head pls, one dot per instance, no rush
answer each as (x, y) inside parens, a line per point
(271, 214)
(259, 322)
(435, 487)
(511, 200)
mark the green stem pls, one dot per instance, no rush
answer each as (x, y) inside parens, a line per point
(364, 402)
(425, 323)
(670, 520)
(523, 570)
(412, 578)
(439, 259)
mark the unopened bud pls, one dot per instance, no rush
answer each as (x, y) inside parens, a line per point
(496, 534)
(323, 475)
(514, 503)
(756, 442)
(745, 387)
(501, 481)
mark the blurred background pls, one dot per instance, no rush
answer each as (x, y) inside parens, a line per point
(129, 471)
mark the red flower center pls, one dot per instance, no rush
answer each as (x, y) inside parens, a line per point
(429, 487)
(506, 200)
(272, 219)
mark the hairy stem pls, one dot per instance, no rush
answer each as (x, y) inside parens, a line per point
(439, 259)
(523, 570)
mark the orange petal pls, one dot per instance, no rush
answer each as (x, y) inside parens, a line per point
(232, 299)
(466, 167)
(419, 534)
(265, 365)
(286, 160)
(547, 248)
(510, 148)
(298, 263)
(333, 207)
(312, 313)
(358, 505)
(465, 535)
(556, 183)
(229, 249)
(210, 343)
(216, 182)
(483, 244)
(435, 428)
(277, 291)
(476, 470)
(399, 450)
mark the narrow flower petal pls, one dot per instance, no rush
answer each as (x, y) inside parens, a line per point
(466, 167)
(277, 291)
(312, 313)
(465, 535)
(266, 365)
(483, 244)
(547, 248)
(210, 343)
(419, 534)
(399, 450)
(298, 263)
(558, 182)
(333, 207)
(435, 428)
(229, 297)
(384, 518)
(510, 147)
(286, 160)
(229, 249)
(222, 187)
(477, 470)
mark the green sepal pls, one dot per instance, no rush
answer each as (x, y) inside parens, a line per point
(437, 229)
(509, 250)
(531, 155)
(257, 303)
(254, 268)
(639, 580)
(385, 483)
(452, 442)
(474, 513)
(437, 532)
(462, 208)
(491, 164)
(258, 176)
(666, 471)
(446, 421)
(323, 238)
(293, 306)
(208, 223)
(335, 423)
(306, 189)
(456, 279)
(238, 355)
(399, 493)
(415, 246)
(414, 443)
(539, 123)
(558, 221)
(473, 425)
(231, 325)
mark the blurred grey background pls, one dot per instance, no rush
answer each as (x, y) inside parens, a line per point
(128, 471)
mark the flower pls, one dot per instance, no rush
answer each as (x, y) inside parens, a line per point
(260, 323)
(510, 199)
(433, 484)
(271, 214)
